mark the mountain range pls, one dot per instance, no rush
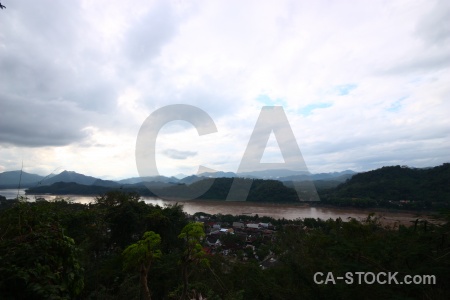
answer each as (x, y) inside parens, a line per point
(11, 179)
(391, 187)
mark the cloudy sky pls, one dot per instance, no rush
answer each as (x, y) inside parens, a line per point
(364, 84)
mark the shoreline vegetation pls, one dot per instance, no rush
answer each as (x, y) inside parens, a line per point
(387, 216)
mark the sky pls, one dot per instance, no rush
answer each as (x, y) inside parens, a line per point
(364, 84)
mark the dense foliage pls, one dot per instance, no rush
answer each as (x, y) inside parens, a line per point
(38, 260)
(396, 187)
(60, 250)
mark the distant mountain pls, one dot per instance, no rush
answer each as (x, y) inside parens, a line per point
(191, 179)
(70, 176)
(219, 174)
(271, 174)
(282, 175)
(10, 179)
(344, 175)
(180, 176)
(106, 183)
(160, 178)
(152, 184)
(335, 176)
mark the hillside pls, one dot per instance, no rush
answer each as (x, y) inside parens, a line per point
(260, 191)
(70, 176)
(11, 179)
(403, 186)
(69, 188)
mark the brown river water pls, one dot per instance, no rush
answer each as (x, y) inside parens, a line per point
(278, 211)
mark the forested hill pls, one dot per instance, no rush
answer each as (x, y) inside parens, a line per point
(260, 191)
(395, 183)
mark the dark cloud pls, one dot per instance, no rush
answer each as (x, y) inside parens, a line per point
(51, 79)
(147, 35)
(34, 123)
(434, 32)
(434, 28)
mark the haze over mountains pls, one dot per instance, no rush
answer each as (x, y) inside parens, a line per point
(11, 179)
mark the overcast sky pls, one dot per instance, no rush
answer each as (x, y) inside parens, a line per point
(364, 84)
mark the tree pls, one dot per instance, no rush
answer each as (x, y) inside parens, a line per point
(125, 215)
(141, 255)
(192, 234)
(115, 198)
(37, 259)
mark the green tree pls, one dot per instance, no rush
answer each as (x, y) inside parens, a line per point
(192, 234)
(141, 255)
(115, 198)
(125, 216)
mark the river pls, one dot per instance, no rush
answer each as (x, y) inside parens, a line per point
(278, 211)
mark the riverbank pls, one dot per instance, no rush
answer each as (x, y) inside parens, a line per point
(388, 217)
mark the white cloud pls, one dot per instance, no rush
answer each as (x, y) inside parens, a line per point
(363, 84)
